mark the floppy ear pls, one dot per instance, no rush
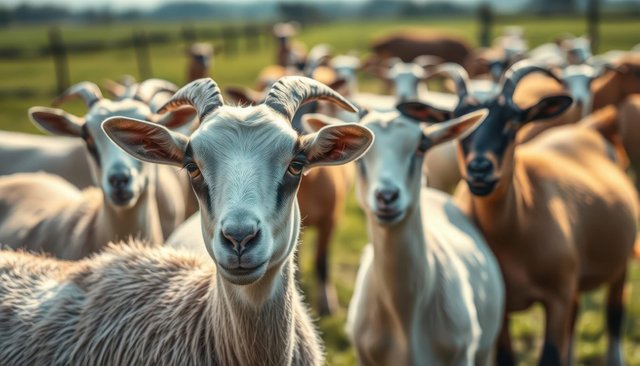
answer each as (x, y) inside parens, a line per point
(337, 84)
(458, 127)
(547, 107)
(177, 117)
(336, 144)
(146, 141)
(56, 121)
(314, 122)
(424, 112)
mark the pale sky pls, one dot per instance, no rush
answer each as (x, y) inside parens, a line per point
(145, 4)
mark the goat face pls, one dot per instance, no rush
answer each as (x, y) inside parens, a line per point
(121, 177)
(577, 80)
(245, 166)
(405, 78)
(389, 174)
(486, 154)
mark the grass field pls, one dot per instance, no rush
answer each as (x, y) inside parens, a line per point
(168, 62)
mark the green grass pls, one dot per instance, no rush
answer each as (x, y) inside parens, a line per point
(168, 62)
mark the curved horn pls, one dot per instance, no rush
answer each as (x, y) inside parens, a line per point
(88, 91)
(457, 73)
(150, 87)
(290, 92)
(203, 94)
(517, 72)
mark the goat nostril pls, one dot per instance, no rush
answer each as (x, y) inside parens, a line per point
(119, 180)
(387, 196)
(240, 236)
(480, 166)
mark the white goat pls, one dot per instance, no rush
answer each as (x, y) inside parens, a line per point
(77, 158)
(36, 206)
(429, 291)
(137, 306)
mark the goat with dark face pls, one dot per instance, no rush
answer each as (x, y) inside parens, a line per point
(489, 148)
(558, 212)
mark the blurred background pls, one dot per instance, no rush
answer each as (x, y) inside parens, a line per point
(47, 45)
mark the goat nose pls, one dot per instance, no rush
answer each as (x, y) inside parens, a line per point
(241, 235)
(387, 196)
(119, 180)
(480, 166)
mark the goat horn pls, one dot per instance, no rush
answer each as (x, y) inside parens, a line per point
(517, 72)
(88, 91)
(290, 92)
(203, 94)
(457, 73)
(150, 87)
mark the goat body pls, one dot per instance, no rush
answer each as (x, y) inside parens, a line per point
(141, 306)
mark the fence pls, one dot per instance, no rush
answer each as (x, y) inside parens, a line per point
(227, 40)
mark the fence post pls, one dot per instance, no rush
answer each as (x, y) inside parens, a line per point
(252, 36)
(141, 45)
(59, 54)
(593, 18)
(485, 16)
(229, 39)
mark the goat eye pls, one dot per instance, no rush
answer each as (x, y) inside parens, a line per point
(295, 168)
(194, 171)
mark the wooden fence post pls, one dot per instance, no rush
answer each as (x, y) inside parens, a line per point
(141, 45)
(59, 54)
(593, 18)
(485, 16)
(230, 41)
(252, 38)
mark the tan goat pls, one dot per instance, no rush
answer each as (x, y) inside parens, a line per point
(547, 209)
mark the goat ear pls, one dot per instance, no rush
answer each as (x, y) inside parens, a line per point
(424, 112)
(338, 83)
(244, 96)
(455, 128)
(548, 107)
(146, 141)
(56, 121)
(314, 122)
(336, 144)
(177, 118)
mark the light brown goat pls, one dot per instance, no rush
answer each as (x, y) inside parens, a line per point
(558, 212)
(408, 45)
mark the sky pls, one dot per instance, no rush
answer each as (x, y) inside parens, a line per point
(143, 4)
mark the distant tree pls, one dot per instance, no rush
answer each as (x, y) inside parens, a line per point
(5, 16)
(550, 7)
(300, 12)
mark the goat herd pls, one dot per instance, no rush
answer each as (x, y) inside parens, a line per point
(541, 215)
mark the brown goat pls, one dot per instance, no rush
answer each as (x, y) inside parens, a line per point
(614, 86)
(558, 213)
(200, 55)
(629, 128)
(408, 45)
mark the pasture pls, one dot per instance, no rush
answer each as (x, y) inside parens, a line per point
(169, 62)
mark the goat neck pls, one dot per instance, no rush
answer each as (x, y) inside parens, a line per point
(607, 90)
